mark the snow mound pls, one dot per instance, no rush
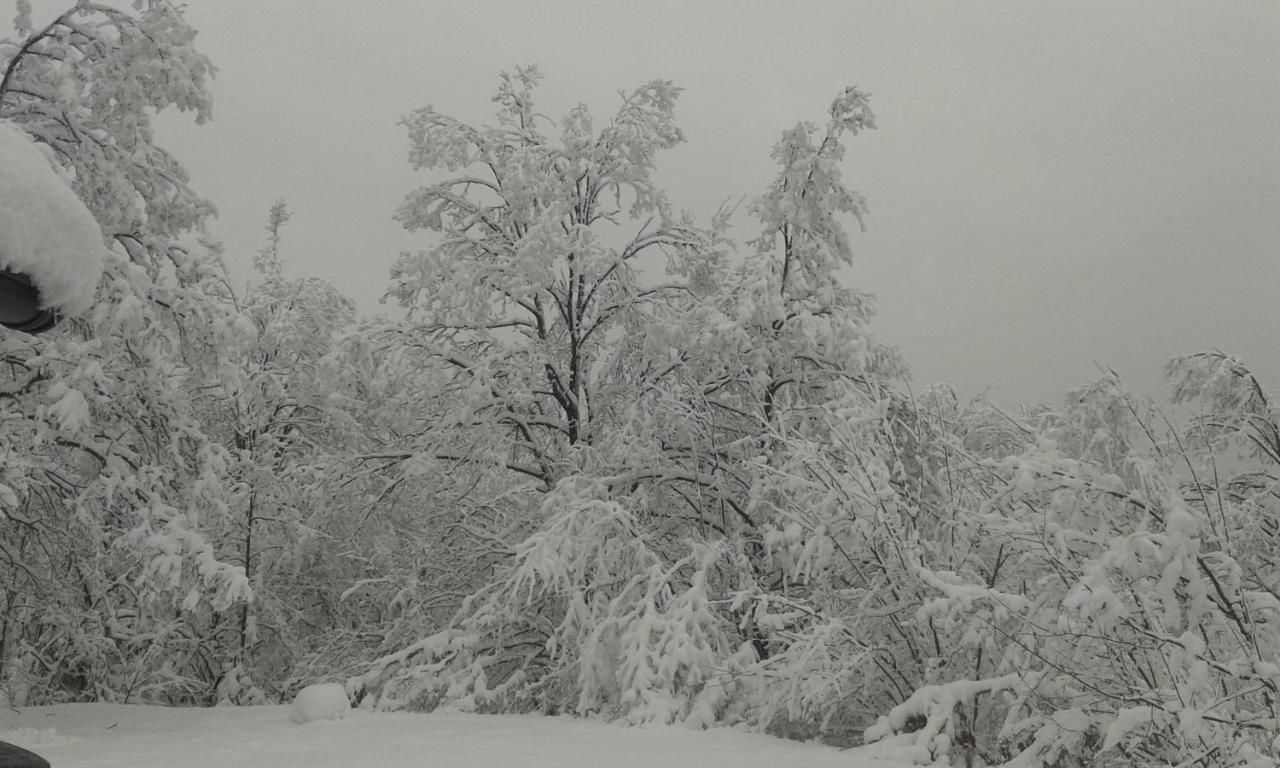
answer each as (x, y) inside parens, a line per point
(46, 233)
(325, 701)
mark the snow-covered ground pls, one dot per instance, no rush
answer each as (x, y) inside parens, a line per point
(108, 735)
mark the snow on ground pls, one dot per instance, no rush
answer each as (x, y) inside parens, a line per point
(117, 735)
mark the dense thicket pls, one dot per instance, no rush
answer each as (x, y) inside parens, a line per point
(609, 463)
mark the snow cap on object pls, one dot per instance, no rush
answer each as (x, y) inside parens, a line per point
(46, 232)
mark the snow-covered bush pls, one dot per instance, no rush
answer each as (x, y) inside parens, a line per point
(1115, 622)
(322, 701)
(237, 688)
(590, 618)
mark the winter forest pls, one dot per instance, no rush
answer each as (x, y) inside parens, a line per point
(608, 459)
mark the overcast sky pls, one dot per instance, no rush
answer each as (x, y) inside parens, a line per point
(1052, 185)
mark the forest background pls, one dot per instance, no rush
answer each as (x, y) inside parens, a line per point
(609, 460)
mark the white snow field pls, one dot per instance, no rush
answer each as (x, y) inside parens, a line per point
(118, 735)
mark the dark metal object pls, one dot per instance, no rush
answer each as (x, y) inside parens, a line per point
(20, 310)
(17, 757)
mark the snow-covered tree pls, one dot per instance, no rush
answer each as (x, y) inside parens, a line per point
(85, 84)
(515, 313)
(1098, 600)
(641, 430)
(112, 481)
(736, 513)
(280, 431)
(523, 296)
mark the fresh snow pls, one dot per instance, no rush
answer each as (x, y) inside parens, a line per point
(46, 233)
(120, 736)
(324, 701)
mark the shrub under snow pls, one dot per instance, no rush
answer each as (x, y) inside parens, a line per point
(323, 701)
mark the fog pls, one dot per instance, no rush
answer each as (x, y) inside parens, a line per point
(1053, 187)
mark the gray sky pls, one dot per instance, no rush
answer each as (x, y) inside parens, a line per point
(1052, 184)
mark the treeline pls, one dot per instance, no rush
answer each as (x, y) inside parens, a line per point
(609, 463)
